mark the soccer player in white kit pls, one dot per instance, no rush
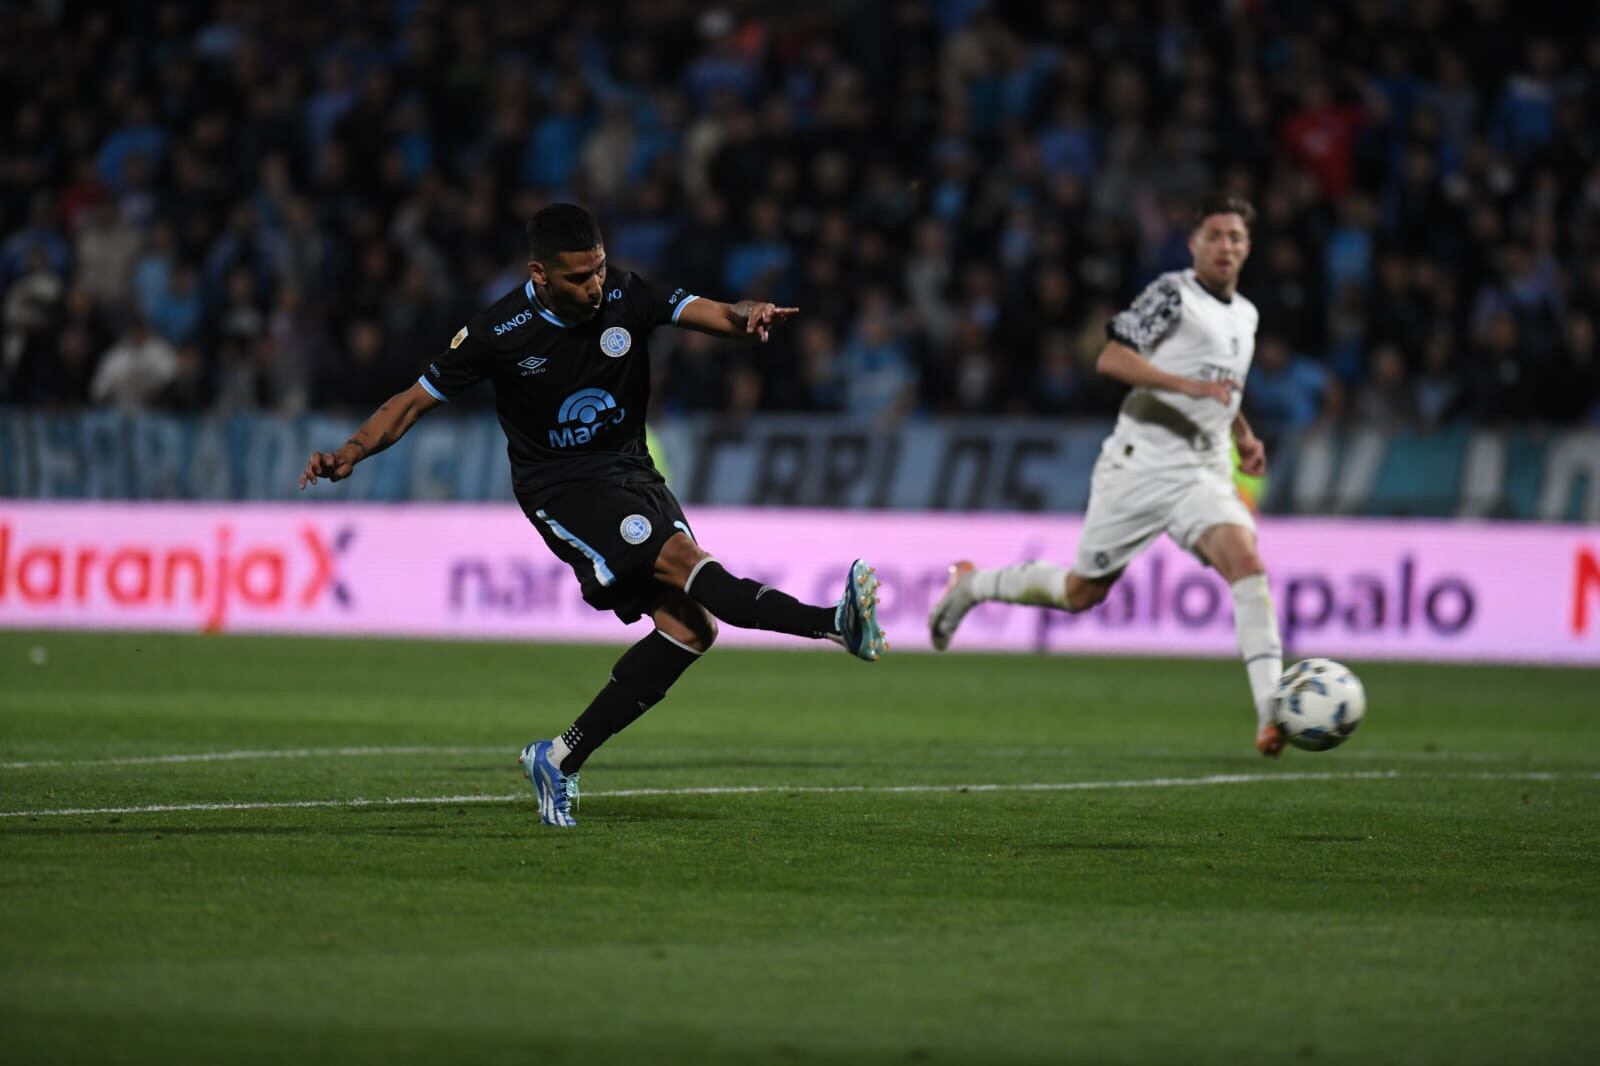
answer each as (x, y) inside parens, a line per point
(1185, 346)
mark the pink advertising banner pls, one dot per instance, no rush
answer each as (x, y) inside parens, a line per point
(1344, 587)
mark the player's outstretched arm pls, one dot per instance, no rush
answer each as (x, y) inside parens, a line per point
(746, 320)
(1121, 362)
(387, 425)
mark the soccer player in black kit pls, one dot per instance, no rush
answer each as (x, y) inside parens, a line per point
(568, 353)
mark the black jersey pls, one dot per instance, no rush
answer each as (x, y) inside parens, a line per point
(571, 396)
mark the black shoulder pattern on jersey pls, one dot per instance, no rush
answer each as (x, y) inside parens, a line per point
(1153, 315)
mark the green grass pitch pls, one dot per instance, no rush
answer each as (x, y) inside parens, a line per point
(1428, 893)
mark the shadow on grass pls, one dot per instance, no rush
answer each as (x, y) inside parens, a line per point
(443, 820)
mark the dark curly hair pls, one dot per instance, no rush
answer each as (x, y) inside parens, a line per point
(1220, 203)
(561, 228)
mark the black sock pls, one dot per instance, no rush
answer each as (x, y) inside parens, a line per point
(638, 681)
(741, 602)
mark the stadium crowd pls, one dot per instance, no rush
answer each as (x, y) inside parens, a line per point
(281, 205)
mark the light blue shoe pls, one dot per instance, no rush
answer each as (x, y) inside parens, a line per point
(856, 614)
(558, 792)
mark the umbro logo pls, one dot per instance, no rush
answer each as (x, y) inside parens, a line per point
(534, 364)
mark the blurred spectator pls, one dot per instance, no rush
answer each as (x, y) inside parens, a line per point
(952, 192)
(139, 136)
(760, 264)
(1057, 382)
(1288, 297)
(1571, 395)
(1439, 392)
(1499, 383)
(878, 379)
(178, 314)
(556, 141)
(1347, 259)
(1524, 113)
(66, 381)
(1285, 392)
(152, 272)
(32, 311)
(819, 388)
(1321, 136)
(976, 381)
(929, 274)
(40, 234)
(135, 372)
(107, 248)
(1385, 401)
(189, 390)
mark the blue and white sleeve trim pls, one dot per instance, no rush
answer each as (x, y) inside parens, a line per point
(685, 302)
(435, 393)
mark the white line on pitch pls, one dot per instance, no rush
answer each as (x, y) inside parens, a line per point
(262, 753)
(371, 751)
(749, 790)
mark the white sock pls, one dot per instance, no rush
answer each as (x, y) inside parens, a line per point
(1038, 584)
(559, 751)
(1256, 623)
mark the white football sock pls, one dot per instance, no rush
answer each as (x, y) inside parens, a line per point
(1038, 584)
(1256, 623)
(559, 751)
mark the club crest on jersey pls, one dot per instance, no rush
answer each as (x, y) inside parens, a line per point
(616, 341)
(534, 364)
(636, 529)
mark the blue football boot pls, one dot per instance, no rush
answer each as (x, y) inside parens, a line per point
(558, 792)
(856, 615)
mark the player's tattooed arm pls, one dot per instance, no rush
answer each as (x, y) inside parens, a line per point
(1252, 453)
(388, 424)
(1121, 362)
(745, 320)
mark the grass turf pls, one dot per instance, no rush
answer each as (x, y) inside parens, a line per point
(1437, 899)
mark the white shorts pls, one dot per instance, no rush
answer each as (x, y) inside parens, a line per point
(1129, 508)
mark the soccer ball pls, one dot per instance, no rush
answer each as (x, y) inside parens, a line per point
(1319, 703)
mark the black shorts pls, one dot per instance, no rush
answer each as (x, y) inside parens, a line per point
(610, 534)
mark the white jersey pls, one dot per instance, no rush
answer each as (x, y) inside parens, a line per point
(1184, 329)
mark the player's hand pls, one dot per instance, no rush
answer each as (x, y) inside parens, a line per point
(1220, 391)
(331, 465)
(1252, 455)
(764, 316)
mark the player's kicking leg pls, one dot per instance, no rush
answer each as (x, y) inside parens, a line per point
(1127, 510)
(1231, 548)
(639, 680)
(851, 622)
(1035, 584)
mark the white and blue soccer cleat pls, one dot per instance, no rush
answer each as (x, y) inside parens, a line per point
(856, 614)
(558, 792)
